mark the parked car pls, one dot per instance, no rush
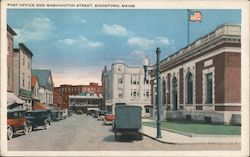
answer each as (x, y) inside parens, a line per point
(108, 119)
(101, 115)
(16, 122)
(39, 118)
(128, 121)
(55, 115)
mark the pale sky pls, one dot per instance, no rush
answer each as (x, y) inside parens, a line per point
(77, 43)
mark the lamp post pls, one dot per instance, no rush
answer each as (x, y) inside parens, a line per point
(158, 79)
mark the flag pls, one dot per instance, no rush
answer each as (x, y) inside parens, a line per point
(195, 16)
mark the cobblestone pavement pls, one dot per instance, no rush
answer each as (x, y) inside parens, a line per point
(84, 133)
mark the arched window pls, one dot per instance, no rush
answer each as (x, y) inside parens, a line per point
(189, 90)
(174, 93)
(163, 92)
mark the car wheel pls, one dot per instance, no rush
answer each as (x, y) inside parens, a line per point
(30, 128)
(26, 129)
(47, 125)
(9, 133)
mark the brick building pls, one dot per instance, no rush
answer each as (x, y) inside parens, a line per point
(202, 81)
(66, 90)
(10, 59)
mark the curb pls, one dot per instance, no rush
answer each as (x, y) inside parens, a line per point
(154, 138)
(174, 143)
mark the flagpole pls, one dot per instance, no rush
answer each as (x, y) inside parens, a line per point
(188, 26)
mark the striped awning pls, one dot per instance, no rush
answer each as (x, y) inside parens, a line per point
(12, 98)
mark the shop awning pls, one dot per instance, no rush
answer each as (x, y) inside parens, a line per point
(39, 106)
(12, 98)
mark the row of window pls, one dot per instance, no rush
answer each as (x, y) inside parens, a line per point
(134, 80)
(134, 93)
(78, 89)
(189, 89)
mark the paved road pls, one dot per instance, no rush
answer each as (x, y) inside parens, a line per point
(84, 133)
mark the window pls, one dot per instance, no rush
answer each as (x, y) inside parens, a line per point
(28, 64)
(23, 80)
(209, 90)
(120, 79)
(134, 79)
(189, 90)
(164, 92)
(146, 94)
(146, 81)
(23, 58)
(120, 93)
(147, 110)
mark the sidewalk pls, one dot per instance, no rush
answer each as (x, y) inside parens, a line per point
(176, 138)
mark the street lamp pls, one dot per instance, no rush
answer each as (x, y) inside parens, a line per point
(158, 98)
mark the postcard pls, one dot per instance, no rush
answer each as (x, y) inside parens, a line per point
(124, 78)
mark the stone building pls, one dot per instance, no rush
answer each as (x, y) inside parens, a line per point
(125, 84)
(202, 81)
(22, 74)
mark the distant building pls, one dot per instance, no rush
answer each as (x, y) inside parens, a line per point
(10, 59)
(202, 81)
(124, 84)
(45, 86)
(85, 101)
(66, 90)
(22, 74)
(35, 86)
(58, 100)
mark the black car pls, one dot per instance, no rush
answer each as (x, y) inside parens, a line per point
(39, 118)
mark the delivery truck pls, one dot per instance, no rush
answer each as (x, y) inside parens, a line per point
(128, 121)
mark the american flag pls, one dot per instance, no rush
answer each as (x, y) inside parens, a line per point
(195, 16)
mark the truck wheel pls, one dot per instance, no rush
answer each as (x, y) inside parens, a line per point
(141, 136)
(30, 128)
(26, 129)
(9, 133)
(116, 136)
(46, 126)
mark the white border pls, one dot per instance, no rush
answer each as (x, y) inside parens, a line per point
(140, 4)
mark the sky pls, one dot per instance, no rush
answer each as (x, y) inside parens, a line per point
(76, 44)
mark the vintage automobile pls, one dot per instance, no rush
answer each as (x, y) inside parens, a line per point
(39, 118)
(108, 119)
(16, 122)
(101, 115)
(128, 121)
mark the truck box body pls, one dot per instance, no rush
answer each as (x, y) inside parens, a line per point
(128, 117)
(127, 121)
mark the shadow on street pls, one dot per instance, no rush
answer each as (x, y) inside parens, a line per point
(122, 138)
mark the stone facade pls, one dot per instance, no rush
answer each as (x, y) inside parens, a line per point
(126, 85)
(203, 80)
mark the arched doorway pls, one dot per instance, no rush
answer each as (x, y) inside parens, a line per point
(174, 93)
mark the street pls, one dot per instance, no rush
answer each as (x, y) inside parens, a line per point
(85, 133)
